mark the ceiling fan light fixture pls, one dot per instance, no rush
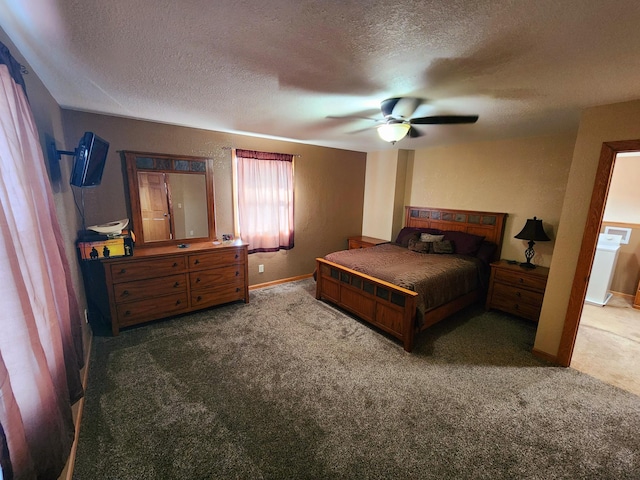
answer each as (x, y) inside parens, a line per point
(392, 132)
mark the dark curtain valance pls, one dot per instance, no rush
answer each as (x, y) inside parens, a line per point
(13, 65)
(283, 157)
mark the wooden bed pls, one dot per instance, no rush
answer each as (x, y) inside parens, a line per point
(390, 307)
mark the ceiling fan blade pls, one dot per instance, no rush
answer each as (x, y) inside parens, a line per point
(352, 117)
(444, 119)
(414, 133)
(388, 105)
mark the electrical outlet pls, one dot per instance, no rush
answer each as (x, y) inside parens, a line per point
(260, 268)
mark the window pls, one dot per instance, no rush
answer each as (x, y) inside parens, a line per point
(264, 200)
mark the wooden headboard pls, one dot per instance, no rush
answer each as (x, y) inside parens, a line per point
(490, 225)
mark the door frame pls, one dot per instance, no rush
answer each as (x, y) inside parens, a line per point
(595, 213)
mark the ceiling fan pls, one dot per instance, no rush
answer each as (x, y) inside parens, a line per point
(398, 122)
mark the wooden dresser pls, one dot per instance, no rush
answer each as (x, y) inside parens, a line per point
(517, 290)
(159, 282)
(364, 242)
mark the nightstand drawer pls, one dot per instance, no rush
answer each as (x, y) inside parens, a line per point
(509, 293)
(521, 309)
(521, 278)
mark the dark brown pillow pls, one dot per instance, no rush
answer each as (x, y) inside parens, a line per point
(464, 243)
(418, 246)
(412, 232)
(445, 246)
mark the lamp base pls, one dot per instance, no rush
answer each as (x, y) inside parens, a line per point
(527, 265)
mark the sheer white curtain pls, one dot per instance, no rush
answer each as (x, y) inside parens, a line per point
(40, 323)
(265, 200)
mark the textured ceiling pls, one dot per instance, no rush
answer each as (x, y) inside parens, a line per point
(281, 67)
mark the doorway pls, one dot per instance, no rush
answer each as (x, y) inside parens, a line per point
(607, 344)
(600, 192)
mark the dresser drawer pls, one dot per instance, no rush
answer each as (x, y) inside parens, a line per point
(217, 295)
(215, 259)
(148, 268)
(520, 295)
(130, 313)
(217, 276)
(521, 279)
(141, 289)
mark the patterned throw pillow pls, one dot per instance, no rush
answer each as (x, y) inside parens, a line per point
(445, 246)
(429, 237)
(418, 246)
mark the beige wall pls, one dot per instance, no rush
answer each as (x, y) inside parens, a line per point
(627, 272)
(379, 194)
(597, 125)
(623, 199)
(623, 210)
(329, 185)
(523, 177)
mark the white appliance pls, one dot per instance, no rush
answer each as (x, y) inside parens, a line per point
(604, 264)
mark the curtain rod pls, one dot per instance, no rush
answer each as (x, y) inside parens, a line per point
(233, 148)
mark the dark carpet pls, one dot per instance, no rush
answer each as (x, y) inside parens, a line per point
(288, 387)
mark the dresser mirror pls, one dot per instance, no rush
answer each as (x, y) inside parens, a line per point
(171, 198)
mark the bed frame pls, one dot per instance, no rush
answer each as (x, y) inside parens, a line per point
(392, 308)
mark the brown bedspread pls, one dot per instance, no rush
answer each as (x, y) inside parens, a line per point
(436, 278)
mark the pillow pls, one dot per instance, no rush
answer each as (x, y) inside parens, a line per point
(418, 246)
(430, 237)
(405, 235)
(412, 232)
(445, 246)
(464, 243)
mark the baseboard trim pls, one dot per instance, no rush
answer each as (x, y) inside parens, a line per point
(278, 282)
(67, 473)
(545, 356)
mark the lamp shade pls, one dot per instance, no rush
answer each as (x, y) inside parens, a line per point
(392, 132)
(533, 231)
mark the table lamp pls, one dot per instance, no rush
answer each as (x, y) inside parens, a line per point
(533, 232)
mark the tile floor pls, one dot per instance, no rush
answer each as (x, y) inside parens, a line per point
(608, 343)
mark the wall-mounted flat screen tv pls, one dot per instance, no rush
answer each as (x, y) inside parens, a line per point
(90, 159)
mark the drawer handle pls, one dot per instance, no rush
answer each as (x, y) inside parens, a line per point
(123, 270)
(237, 256)
(521, 280)
(198, 298)
(125, 293)
(237, 273)
(237, 289)
(176, 285)
(175, 264)
(178, 302)
(198, 280)
(518, 294)
(517, 306)
(128, 312)
(196, 262)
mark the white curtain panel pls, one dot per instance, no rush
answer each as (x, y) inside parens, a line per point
(40, 323)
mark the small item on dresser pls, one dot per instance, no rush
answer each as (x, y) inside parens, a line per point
(95, 246)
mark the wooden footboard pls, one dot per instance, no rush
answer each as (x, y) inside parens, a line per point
(387, 306)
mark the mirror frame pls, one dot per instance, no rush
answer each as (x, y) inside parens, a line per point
(165, 163)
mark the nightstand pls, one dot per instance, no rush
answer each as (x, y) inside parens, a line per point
(517, 290)
(364, 242)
